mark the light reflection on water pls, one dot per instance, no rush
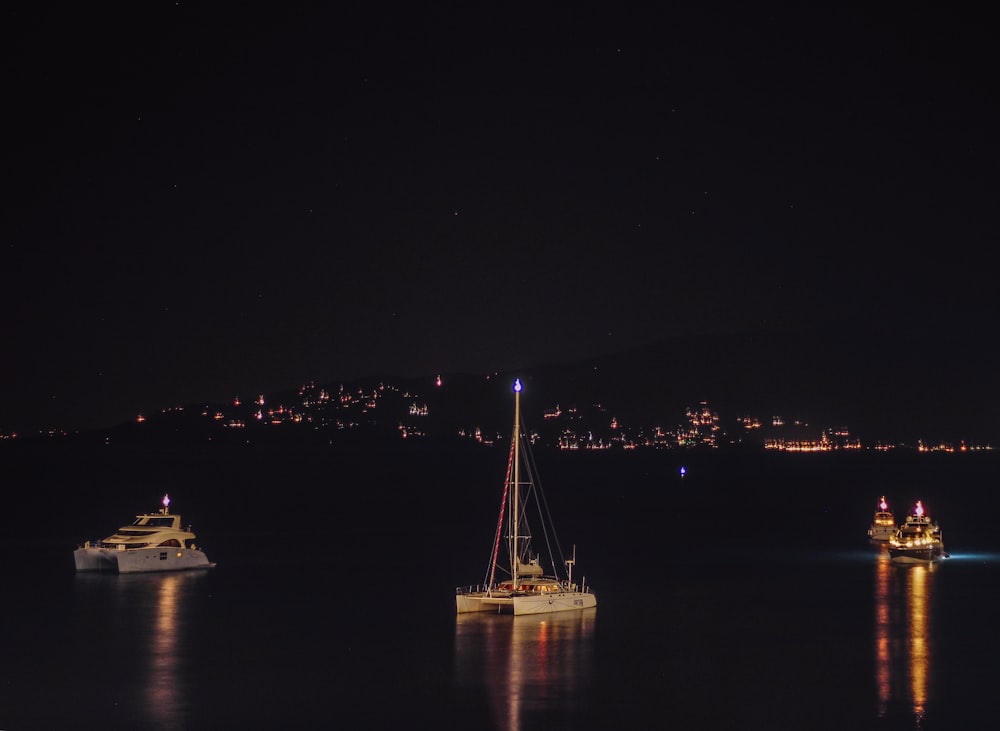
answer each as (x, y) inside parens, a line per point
(152, 607)
(904, 636)
(974, 557)
(164, 676)
(527, 666)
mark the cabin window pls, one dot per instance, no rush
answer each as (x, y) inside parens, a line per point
(163, 555)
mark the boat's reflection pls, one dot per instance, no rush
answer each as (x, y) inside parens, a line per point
(163, 653)
(149, 610)
(903, 637)
(528, 666)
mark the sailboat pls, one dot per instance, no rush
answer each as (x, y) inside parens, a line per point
(524, 587)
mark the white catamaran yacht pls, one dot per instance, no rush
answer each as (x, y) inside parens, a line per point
(524, 586)
(154, 542)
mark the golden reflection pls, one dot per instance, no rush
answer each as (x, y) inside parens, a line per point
(149, 617)
(903, 637)
(920, 644)
(163, 675)
(525, 665)
(883, 662)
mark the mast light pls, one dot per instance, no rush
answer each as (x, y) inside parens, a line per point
(517, 385)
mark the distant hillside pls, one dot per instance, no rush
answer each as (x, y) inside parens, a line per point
(892, 386)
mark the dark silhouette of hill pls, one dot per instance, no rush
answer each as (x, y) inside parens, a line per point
(895, 386)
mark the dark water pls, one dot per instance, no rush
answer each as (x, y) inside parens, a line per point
(743, 595)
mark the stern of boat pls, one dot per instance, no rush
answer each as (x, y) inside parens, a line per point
(474, 599)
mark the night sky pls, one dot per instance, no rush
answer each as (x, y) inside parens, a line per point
(204, 203)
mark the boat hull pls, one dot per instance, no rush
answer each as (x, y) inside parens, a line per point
(140, 560)
(562, 602)
(567, 601)
(881, 534)
(468, 603)
(915, 555)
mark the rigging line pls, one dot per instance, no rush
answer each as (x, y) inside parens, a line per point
(548, 531)
(548, 525)
(525, 533)
(491, 572)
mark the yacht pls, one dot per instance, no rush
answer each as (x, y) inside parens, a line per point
(524, 586)
(883, 525)
(153, 542)
(918, 540)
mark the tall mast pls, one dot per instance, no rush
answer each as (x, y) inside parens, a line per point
(516, 514)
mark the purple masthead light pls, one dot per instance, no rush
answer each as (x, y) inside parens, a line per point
(517, 385)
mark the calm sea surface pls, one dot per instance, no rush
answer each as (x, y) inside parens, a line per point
(741, 596)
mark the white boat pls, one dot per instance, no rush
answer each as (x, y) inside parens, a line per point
(918, 540)
(524, 586)
(883, 525)
(153, 542)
